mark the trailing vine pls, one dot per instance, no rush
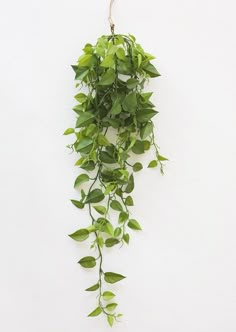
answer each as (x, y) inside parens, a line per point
(114, 123)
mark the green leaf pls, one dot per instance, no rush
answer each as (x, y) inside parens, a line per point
(126, 238)
(115, 205)
(110, 320)
(81, 97)
(80, 235)
(102, 140)
(105, 157)
(112, 277)
(132, 83)
(81, 73)
(108, 62)
(161, 158)
(92, 288)
(87, 262)
(95, 196)
(133, 224)
(117, 232)
(120, 54)
(109, 188)
(84, 119)
(137, 167)
(109, 229)
(81, 179)
(139, 60)
(144, 115)
(111, 242)
(130, 103)
(69, 131)
(100, 209)
(95, 312)
(85, 60)
(108, 77)
(151, 70)
(152, 164)
(129, 201)
(91, 129)
(138, 147)
(78, 204)
(111, 306)
(107, 296)
(130, 185)
(123, 216)
(85, 145)
(116, 107)
(100, 241)
(146, 145)
(88, 165)
(146, 130)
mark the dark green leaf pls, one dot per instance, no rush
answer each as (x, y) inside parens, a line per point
(80, 235)
(138, 147)
(123, 216)
(144, 115)
(87, 262)
(85, 145)
(78, 204)
(105, 157)
(81, 73)
(88, 165)
(130, 103)
(137, 167)
(151, 70)
(84, 119)
(132, 83)
(111, 242)
(146, 130)
(112, 277)
(95, 196)
(130, 186)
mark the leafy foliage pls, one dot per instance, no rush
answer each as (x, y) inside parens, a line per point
(114, 123)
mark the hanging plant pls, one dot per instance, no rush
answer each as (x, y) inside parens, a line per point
(114, 123)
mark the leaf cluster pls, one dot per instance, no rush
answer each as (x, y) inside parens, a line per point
(112, 75)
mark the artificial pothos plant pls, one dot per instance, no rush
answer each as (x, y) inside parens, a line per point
(114, 123)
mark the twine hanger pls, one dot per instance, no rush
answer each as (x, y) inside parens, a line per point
(112, 25)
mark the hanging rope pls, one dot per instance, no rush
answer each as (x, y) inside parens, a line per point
(112, 25)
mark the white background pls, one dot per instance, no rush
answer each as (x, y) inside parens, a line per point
(181, 268)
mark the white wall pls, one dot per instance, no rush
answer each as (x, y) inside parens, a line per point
(181, 269)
